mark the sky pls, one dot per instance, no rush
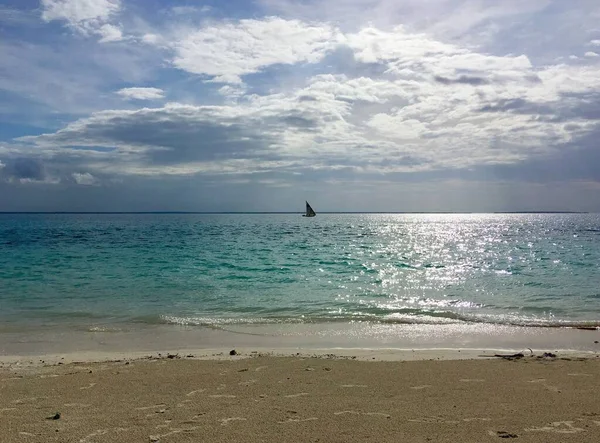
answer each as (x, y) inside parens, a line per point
(353, 105)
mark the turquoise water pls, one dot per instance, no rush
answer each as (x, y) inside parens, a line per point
(97, 271)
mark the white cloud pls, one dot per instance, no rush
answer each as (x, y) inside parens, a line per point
(228, 51)
(151, 39)
(85, 179)
(337, 123)
(406, 102)
(109, 33)
(449, 18)
(343, 94)
(358, 89)
(141, 93)
(88, 17)
(496, 27)
(78, 11)
(372, 45)
(418, 55)
(564, 79)
(232, 92)
(188, 10)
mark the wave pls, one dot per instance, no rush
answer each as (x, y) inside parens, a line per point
(407, 318)
(104, 329)
(213, 321)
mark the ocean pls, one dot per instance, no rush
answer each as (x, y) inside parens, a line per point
(111, 272)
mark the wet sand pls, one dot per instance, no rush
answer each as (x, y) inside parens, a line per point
(126, 338)
(255, 398)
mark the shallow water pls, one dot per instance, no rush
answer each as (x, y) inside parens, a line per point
(102, 272)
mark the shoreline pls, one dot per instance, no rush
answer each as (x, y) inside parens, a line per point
(221, 354)
(343, 340)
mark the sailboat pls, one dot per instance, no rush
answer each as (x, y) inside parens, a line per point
(309, 211)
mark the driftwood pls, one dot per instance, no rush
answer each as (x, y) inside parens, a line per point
(504, 434)
(519, 355)
(510, 356)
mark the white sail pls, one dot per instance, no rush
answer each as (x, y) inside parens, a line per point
(309, 211)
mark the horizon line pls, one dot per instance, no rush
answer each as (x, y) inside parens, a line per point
(292, 212)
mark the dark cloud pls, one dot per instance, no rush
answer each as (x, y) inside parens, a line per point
(201, 141)
(570, 106)
(576, 160)
(175, 136)
(307, 98)
(169, 137)
(518, 106)
(23, 168)
(526, 186)
(583, 105)
(463, 79)
(297, 121)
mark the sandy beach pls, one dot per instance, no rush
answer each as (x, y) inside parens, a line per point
(256, 397)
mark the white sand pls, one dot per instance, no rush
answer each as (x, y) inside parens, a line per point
(263, 398)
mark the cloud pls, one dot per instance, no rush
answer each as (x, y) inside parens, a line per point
(328, 125)
(409, 103)
(41, 82)
(419, 54)
(151, 39)
(79, 11)
(499, 28)
(141, 93)
(85, 16)
(23, 169)
(232, 93)
(518, 105)
(441, 18)
(187, 10)
(175, 139)
(85, 179)
(18, 17)
(356, 95)
(226, 52)
(464, 79)
(109, 33)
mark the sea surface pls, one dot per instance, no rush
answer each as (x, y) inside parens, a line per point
(94, 272)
